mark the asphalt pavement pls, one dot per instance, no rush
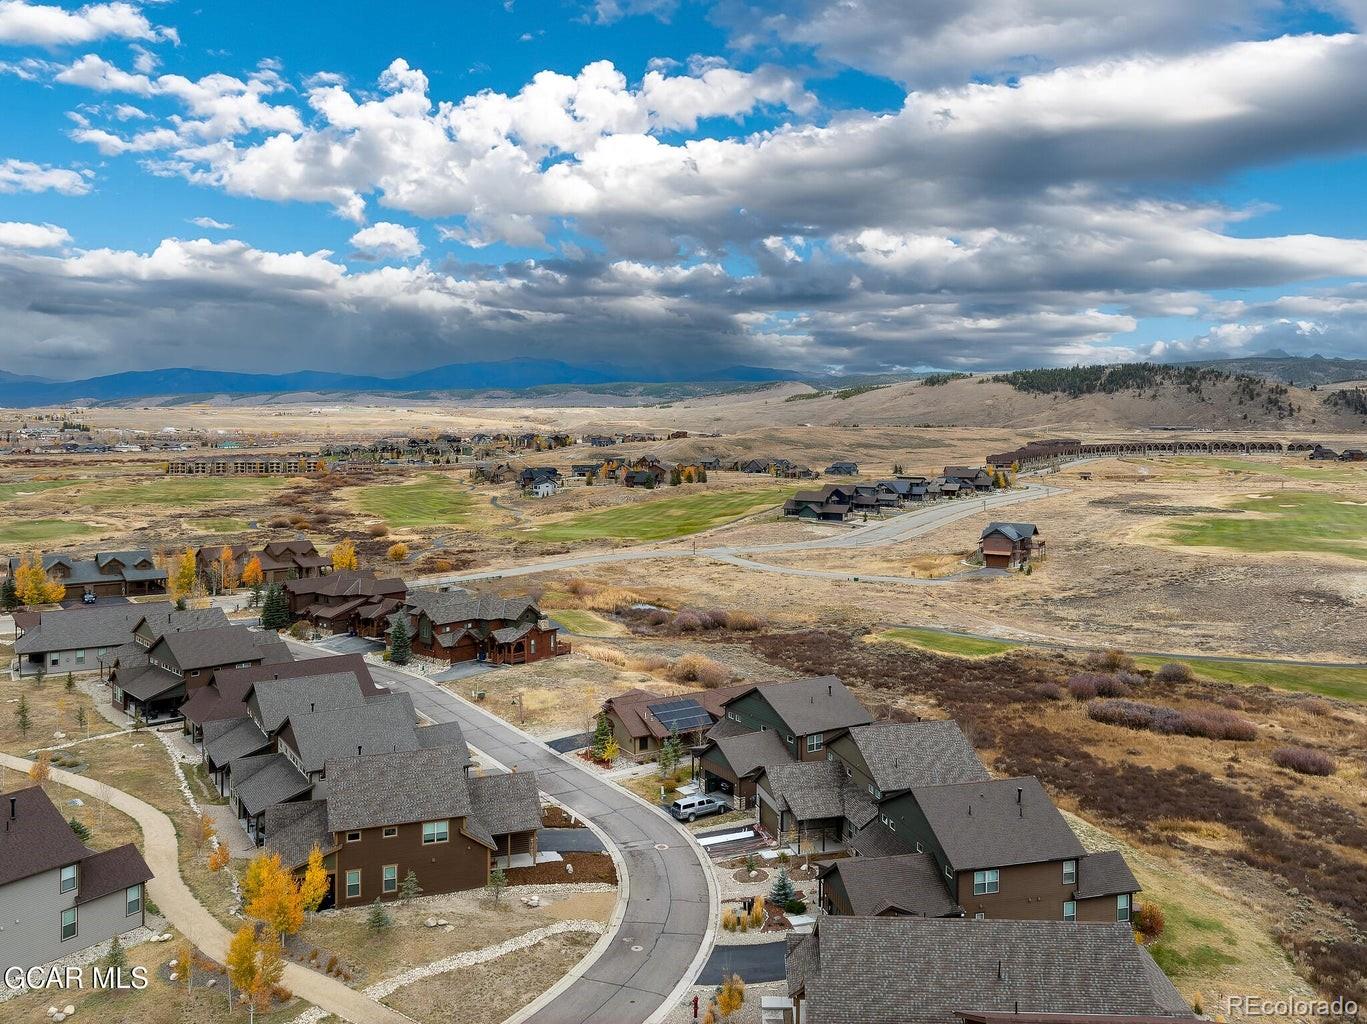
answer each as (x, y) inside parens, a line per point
(754, 962)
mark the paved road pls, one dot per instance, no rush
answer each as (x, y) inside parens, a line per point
(754, 962)
(905, 526)
(660, 941)
(180, 907)
(569, 840)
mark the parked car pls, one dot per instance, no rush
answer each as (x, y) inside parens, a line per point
(88, 598)
(690, 808)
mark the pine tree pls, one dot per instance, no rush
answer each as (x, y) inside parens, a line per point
(70, 683)
(378, 918)
(9, 594)
(116, 957)
(400, 643)
(498, 881)
(21, 715)
(602, 732)
(82, 833)
(409, 889)
(275, 612)
(782, 892)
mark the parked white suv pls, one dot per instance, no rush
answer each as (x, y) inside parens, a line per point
(690, 808)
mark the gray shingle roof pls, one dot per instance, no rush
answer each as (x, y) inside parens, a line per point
(380, 724)
(111, 871)
(818, 704)
(87, 570)
(277, 699)
(1104, 874)
(901, 755)
(819, 789)
(147, 681)
(394, 788)
(38, 839)
(998, 831)
(294, 828)
(877, 840)
(912, 970)
(456, 605)
(217, 645)
(749, 751)
(911, 883)
(265, 779)
(228, 739)
(506, 802)
(443, 734)
(1012, 531)
(84, 628)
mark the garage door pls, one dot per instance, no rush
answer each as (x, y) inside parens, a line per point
(768, 818)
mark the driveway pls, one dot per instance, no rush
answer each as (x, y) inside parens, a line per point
(463, 670)
(662, 938)
(756, 962)
(344, 644)
(569, 840)
(567, 744)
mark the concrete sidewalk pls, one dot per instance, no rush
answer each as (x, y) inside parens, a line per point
(188, 916)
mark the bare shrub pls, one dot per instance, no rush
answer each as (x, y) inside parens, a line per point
(658, 617)
(1315, 706)
(1174, 672)
(277, 522)
(688, 622)
(1149, 921)
(377, 530)
(580, 587)
(299, 522)
(1114, 660)
(1305, 760)
(715, 618)
(744, 622)
(1127, 713)
(1049, 691)
(1217, 724)
(696, 668)
(1117, 685)
(1085, 685)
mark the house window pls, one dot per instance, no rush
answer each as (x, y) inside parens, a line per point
(815, 742)
(68, 923)
(643, 744)
(1070, 910)
(68, 878)
(788, 738)
(891, 825)
(80, 657)
(353, 883)
(435, 832)
(118, 696)
(353, 837)
(1069, 872)
(194, 672)
(919, 848)
(391, 831)
(986, 882)
(874, 791)
(948, 874)
(133, 900)
(1122, 907)
(390, 882)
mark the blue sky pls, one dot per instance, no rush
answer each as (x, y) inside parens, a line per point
(850, 185)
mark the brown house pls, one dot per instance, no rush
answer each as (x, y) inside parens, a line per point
(1010, 545)
(388, 814)
(106, 574)
(280, 560)
(1005, 851)
(642, 721)
(460, 625)
(833, 503)
(349, 601)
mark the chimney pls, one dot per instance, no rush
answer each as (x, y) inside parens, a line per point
(1001, 973)
(358, 750)
(830, 690)
(1019, 804)
(13, 804)
(312, 706)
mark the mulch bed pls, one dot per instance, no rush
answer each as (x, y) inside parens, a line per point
(557, 817)
(588, 867)
(741, 875)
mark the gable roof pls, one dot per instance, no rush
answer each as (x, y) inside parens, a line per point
(262, 780)
(913, 970)
(506, 802)
(37, 838)
(900, 755)
(635, 708)
(397, 787)
(225, 740)
(278, 699)
(1012, 531)
(996, 823)
(819, 789)
(909, 884)
(383, 723)
(443, 606)
(1104, 874)
(815, 704)
(748, 752)
(226, 695)
(294, 828)
(111, 871)
(347, 583)
(217, 645)
(84, 628)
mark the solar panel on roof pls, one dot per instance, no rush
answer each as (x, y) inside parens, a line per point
(682, 715)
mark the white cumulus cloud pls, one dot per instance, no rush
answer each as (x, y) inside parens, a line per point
(48, 25)
(18, 235)
(385, 240)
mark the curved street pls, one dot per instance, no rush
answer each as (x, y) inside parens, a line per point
(666, 930)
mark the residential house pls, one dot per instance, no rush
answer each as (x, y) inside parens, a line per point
(833, 503)
(82, 639)
(599, 440)
(654, 474)
(773, 723)
(248, 465)
(461, 625)
(224, 698)
(1320, 454)
(105, 574)
(57, 896)
(348, 601)
(974, 477)
(387, 814)
(642, 721)
(843, 469)
(831, 803)
(1353, 455)
(280, 560)
(494, 472)
(928, 970)
(907, 885)
(1010, 545)
(530, 476)
(583, 470)
(1005, 851)
(152, 682)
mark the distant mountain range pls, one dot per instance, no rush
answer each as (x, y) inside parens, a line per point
(1303, 371)
(502, 375)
